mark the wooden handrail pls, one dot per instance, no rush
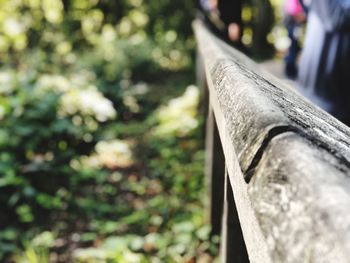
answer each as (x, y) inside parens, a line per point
(287, 161)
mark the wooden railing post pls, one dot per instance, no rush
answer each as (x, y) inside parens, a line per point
(214, 156)
(215, 170)
(233, 247)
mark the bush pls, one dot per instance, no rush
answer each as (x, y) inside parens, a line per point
(91, 154)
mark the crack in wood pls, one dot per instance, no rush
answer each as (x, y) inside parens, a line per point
(272, 133)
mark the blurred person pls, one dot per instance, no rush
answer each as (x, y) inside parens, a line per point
(324, 74)
(224, 18)
(294, 19)
(305, 4)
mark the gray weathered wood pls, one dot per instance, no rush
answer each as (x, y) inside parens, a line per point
(301, 197)
(263, 104)
(215, 173)
(233, 248)
(288, 161)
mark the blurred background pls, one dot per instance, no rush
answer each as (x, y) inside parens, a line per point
(101, 135)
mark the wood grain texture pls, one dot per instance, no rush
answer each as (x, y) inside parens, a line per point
(301, 197)
(263, 104)
(288, 161)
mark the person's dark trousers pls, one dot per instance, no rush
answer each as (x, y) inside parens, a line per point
(291, 69)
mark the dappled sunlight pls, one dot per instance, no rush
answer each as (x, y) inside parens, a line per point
(179, 117)
(77, 96)
(110, 154)
(88, 102)
(101, 151)
(7, 82)
(53, 11)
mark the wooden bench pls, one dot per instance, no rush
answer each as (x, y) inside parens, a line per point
(278, 167)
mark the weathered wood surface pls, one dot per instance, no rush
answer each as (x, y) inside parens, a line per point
(287, 160)
(234, 249)
(301, 196)
(215, 174)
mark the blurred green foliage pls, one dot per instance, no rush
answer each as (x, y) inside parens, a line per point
(98, 161)
(101, 154)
